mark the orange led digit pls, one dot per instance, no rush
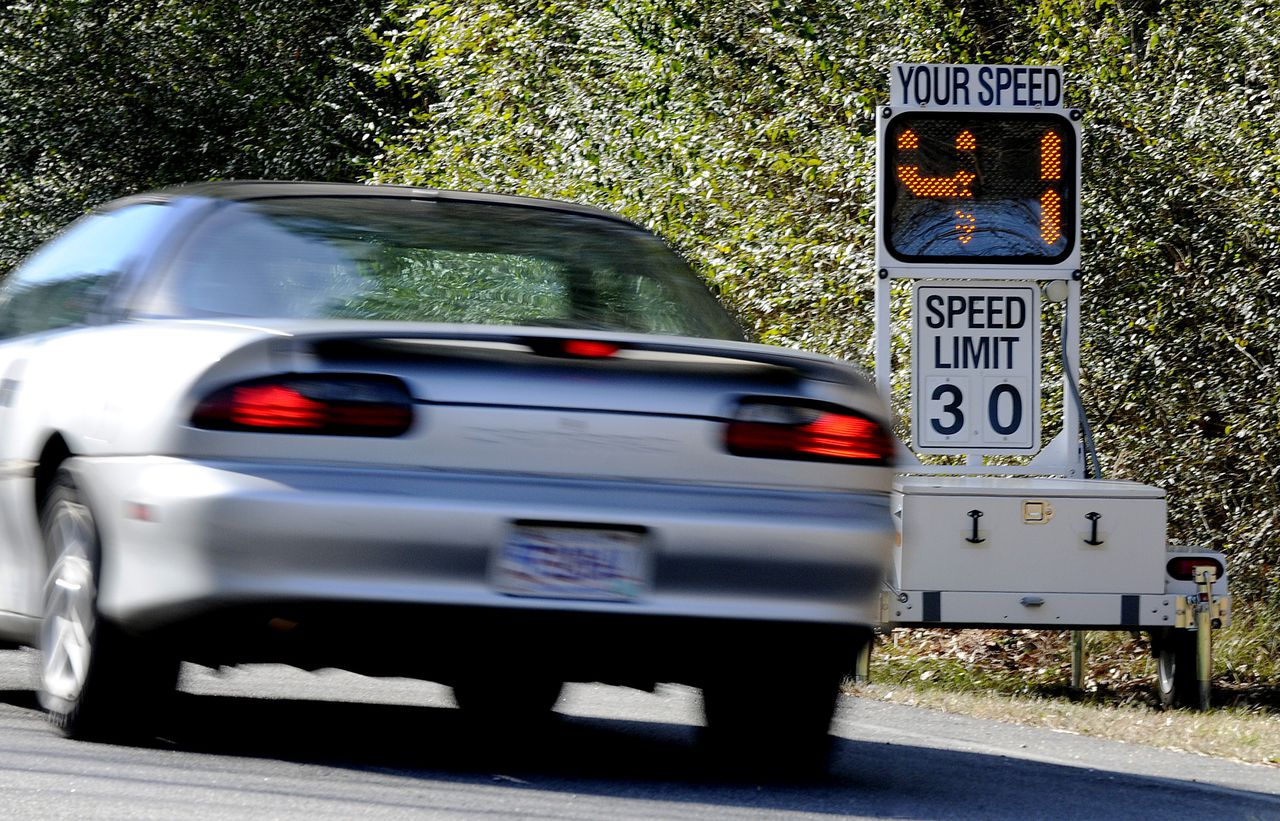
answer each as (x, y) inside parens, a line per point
(1050, 156)
(1050, 200)
(1050, 217)
(965, 223)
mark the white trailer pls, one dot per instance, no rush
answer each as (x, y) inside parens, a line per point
(979, 179)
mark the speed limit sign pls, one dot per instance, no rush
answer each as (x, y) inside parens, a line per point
(976, 367)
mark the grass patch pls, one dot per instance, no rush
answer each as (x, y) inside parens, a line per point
(1238, 733)
(1025, 676)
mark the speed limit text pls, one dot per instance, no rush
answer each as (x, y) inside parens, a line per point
(947, 312)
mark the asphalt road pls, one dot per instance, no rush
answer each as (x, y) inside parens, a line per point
(270, 742)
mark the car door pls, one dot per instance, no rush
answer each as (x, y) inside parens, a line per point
(62, 288)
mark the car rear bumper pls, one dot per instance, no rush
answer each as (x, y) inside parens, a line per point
(449, 643)
(184, 540)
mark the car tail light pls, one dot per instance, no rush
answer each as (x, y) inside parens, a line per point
(589, 349)
(333, 405)
(1183, 568)
(573, 348)
(820, 433)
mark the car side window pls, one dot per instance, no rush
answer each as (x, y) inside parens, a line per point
(68, 279)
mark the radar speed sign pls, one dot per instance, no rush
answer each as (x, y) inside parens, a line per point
(979, 187)
(979, 174)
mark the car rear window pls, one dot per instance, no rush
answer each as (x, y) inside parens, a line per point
(431, 261)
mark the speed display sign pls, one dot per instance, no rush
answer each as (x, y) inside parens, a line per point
(976, 367)
(979, 173)
(978, 187)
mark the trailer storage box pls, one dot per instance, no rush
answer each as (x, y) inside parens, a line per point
(1029, 535)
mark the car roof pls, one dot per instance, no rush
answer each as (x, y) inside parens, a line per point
(249, 190)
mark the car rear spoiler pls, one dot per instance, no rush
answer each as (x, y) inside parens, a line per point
(534, 340)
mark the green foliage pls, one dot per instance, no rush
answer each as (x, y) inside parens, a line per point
(1248, 651)
(102, 99)
(743, 132)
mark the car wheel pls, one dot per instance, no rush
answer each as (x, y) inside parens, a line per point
(504, 699)
(775, 723)
(1176, 676)
(94, 680)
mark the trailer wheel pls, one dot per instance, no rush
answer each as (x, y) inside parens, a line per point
(1175, 652)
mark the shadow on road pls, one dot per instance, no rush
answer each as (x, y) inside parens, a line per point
(26, 699)
(601, 761)
(437, 739)
(611, 757)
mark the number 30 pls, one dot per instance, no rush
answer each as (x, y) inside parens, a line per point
(953, 403)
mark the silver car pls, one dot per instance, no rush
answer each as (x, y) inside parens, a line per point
(495, 442)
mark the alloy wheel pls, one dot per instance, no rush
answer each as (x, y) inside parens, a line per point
(66, 634)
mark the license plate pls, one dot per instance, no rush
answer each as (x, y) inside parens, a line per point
(599, 564)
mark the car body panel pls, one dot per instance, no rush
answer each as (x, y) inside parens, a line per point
(217, 534)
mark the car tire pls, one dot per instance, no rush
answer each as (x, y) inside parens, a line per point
(1176, 676)
(94, 680)
(775, 723)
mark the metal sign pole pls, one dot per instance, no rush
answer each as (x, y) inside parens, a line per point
(884, 340)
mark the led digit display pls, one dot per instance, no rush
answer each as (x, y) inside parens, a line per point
(979, 187)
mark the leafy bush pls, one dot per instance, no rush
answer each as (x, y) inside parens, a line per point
(743, 132)
(98, 100)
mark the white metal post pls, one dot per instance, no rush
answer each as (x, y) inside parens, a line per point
(884, 340)
(1073, 451)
